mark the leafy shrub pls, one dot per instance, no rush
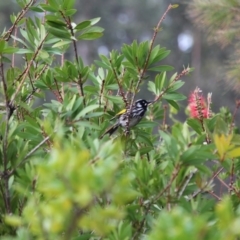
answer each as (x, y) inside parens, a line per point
(60, 181)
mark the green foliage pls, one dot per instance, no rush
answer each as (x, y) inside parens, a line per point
(58, 180)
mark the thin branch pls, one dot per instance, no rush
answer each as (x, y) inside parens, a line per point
(174, 175)
(62, 63)
(58, 94)
(14, 44)
(80, 81)
(78, 212)
(222, 182)
(214, 195)
(139, 229)
(156, 30)
(25, 72)
(101, 92)
(3, 194)
(119, 85)
(231, 177)
(188, 178)
(143, 71)
(215, 174)
(8, 34)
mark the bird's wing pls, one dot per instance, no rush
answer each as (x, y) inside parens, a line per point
(119, 113)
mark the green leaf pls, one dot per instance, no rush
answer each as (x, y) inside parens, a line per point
(93, 29)
(43, 54)
(5, 59)
(142, 53)
(55, 19)
(94, 114)
(36, 9)
(61, 43)
(152, 87)
(178, 84)
(195, 125)
(164, 53)
(68, 4)
(70, 12)
(10, 50)
(145, 150)
(88, 124)
(94, 21)
(56, 24)
(21, 41)
(90, 36)
(127, 52)
(160, 80)
(54, 4)
(174, 96)
(114, 99)
(234, 153)
(87, 110)
(48, 8)
(161, 68)
(83, 25)
(173, 104)
(60, 33)
(91, 89)
(175, 5)
(103, 65)
(2, 45)
(197, 154)
(24, 51)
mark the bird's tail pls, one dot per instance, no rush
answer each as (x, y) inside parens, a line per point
(110, 130)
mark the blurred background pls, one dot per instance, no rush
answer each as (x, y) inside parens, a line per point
(127, 20)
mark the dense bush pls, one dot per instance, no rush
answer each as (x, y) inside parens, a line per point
(60, 181)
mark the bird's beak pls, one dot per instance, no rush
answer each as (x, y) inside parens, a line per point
(150, 102)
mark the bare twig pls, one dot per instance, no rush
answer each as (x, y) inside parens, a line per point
(222, 182)
(143, 71)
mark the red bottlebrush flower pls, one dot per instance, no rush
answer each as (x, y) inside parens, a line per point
(197, 105)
